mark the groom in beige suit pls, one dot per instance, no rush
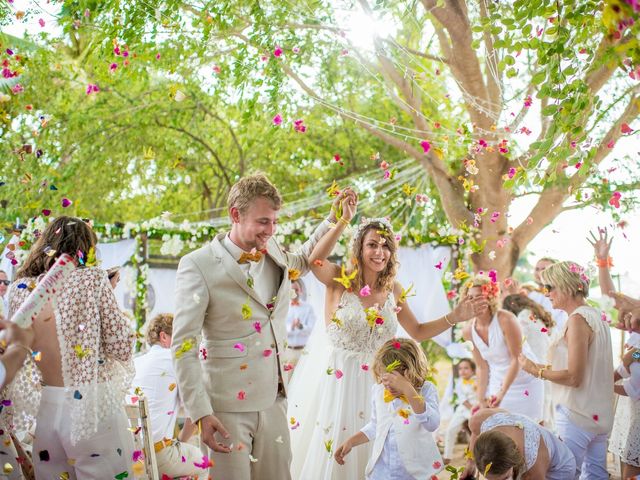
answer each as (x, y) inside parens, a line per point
(235, 292)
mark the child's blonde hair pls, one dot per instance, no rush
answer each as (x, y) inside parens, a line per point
(408, 355)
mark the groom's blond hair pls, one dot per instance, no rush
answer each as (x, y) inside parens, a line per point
(248, 189)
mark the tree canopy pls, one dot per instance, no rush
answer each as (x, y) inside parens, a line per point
(132, 108)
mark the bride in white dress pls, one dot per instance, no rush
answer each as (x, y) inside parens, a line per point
(329, 397)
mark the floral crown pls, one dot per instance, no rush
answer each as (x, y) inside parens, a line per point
(382, 223)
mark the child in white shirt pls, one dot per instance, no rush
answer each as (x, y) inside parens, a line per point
(465, 393)
(404, 414)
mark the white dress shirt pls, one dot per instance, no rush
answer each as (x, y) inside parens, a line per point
(264, 274)
(297, 336)
(157, 379)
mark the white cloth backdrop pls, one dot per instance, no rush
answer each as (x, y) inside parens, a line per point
(417, 266)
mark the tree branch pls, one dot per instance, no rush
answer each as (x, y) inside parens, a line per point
(494, 84)
(615, 132)
(552, 198)
(435, 58)
(462, 58)
(523, 110)
(208, 147)
(234, 137)
(597, 78)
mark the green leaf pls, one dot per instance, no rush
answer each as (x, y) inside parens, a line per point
(550, 110)
(539, 77)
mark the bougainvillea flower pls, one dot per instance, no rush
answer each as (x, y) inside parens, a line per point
(365, 291)
(426, 146)
(299, 126)
(615, 199)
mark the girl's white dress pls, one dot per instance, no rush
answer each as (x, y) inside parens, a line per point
(329, 399)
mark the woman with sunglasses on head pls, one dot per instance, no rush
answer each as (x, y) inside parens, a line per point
(581, 371)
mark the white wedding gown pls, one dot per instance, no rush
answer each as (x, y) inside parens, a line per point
(329, 398)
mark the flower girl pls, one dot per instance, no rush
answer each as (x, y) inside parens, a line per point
(404, 414)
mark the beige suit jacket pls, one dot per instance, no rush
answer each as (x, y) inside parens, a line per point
(242, 366)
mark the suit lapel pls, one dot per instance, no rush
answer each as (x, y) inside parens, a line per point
(232, 268)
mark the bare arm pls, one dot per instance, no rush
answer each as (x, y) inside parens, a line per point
(465, 310)
(188, 429)
(18, 343)
(601, 247)
(578, 340)
(482, 367)
(324, 270)
(353, 441)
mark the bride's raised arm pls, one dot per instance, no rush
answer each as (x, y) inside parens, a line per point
(465, 310)
(324, 270)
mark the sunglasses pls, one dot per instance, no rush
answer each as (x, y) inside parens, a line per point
(548, 288)
(5, 282)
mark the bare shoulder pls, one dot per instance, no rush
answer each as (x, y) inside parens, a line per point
(506, 318)
(397, 289)
(478, 418)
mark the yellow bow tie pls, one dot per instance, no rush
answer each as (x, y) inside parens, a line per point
(250, 257)
(388, 396)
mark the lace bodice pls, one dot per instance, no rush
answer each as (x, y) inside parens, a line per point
(96, 345)
(351, 330)
(529, 428)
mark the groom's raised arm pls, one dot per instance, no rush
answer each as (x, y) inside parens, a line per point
(192, 298)
(299, 260)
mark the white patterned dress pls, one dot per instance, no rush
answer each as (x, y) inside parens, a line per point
(330, 409)
(624, 440)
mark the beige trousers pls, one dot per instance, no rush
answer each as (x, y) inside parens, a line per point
(261, 446)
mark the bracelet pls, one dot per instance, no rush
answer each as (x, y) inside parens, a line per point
(542, 369)
(446, 319)
(343, 221)
(604, 262)
(19, 345)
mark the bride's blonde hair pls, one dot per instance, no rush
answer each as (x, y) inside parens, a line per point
(408, 357)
